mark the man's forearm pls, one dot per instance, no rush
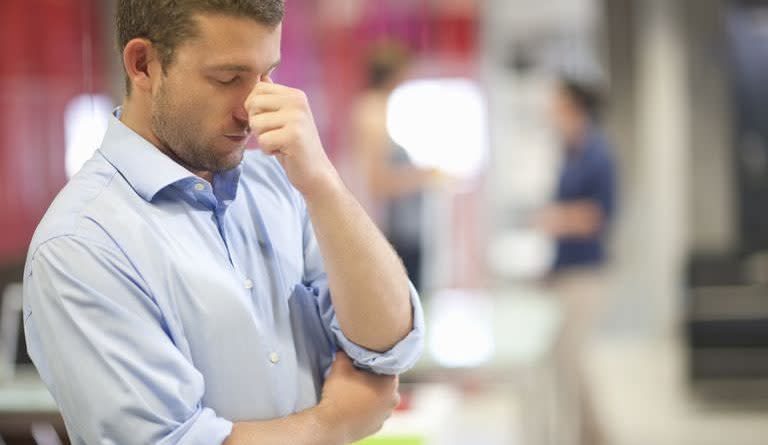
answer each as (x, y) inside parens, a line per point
(580, 219)
(310, 427)
(368, 283)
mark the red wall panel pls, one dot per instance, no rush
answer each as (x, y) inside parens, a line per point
(52, 52)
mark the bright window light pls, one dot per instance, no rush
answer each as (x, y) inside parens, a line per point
(461, 329)
(521, 254)
(85, 122)
(441, 123)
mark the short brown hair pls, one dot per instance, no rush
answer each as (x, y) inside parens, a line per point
(385, 59)
(169, 23)
(585, 95)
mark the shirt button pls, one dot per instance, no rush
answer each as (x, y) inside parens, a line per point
(274, 358)
(248, 284)
(199, 187)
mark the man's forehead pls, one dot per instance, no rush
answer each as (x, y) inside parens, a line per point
(215, 26)
(235, 43)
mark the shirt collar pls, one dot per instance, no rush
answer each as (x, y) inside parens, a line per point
(225, 184)
(147, 169)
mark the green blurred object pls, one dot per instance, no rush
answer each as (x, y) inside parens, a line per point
(393, 440)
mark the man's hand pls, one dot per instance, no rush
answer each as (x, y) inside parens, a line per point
(357, 401)
(579, 219)
(282, 121)
(355, 255)
(354, 405)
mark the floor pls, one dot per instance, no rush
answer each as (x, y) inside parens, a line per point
(644, 398)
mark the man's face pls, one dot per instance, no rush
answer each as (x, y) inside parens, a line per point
(198, 109)
(569, 120)
(563, 114)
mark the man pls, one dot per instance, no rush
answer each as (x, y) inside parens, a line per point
(586, 187)
(182, 291)
(579, 221)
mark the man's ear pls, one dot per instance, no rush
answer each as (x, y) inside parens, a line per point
(141, 63)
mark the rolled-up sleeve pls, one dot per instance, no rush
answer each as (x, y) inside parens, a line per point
(102, 347)
(397, 360)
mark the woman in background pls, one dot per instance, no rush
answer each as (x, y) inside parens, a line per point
(385, 179)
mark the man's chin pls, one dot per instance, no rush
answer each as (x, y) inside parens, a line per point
(232, 160)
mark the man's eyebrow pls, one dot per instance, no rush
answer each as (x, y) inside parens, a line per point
(238, 68)
(229, 67)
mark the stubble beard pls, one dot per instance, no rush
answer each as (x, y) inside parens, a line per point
(181, 139)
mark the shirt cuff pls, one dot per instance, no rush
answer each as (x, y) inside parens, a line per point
(400, 358)
(204, 428)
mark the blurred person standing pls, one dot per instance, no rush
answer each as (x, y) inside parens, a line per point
(579, 219)
(387, 182)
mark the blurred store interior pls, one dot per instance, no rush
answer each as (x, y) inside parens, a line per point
(676, 350)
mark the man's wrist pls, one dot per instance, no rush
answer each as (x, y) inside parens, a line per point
(329, 186)
(329, 424)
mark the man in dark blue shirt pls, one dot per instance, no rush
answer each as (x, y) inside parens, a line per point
(578, 220)
(584, 203)
(585, 193)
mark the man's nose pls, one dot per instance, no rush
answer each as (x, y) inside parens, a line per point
(241, 115)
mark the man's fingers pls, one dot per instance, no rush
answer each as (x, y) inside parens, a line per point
(272, 142)
(261, 103)
(270, 87)
(267, 121)
(290, 97)
(396, 400)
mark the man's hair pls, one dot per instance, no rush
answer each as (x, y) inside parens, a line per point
(585, 95)
(385, 59)
(169, 23)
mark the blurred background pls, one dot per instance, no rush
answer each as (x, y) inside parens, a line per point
(577, 187)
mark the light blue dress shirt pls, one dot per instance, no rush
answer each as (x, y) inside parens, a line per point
(159, 308)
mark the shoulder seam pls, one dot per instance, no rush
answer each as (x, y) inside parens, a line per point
(73, 232)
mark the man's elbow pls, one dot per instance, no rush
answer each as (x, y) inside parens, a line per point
(385, 338)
